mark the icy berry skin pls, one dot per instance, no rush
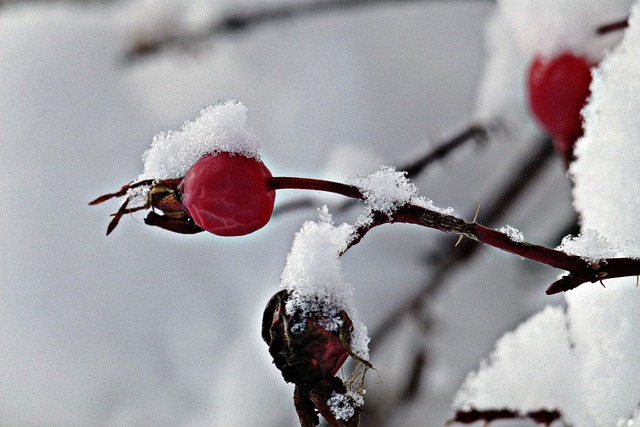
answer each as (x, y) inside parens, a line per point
(227, 194)
(558, 90)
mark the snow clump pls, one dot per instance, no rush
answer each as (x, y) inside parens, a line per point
(513, 233)
(218, 128)
(385, 190)
(313, 276)
(589, 245)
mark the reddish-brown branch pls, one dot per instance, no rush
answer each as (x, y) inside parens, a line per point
(580, 271)
(280, 183)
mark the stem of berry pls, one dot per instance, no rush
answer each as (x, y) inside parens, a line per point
(580, 271)
(280, 183)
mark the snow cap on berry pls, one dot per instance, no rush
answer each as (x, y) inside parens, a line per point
(313, 276)
(218, 128)
(519, 30)
(551, 27)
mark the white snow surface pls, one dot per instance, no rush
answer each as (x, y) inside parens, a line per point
(583, 361)
(590, 245)
(606, 174)
(218, 128)
(521, 29)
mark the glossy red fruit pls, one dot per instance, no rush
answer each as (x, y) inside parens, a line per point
(227, 194)
(558, 90)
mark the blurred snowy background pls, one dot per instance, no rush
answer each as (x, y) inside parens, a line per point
(148, 328)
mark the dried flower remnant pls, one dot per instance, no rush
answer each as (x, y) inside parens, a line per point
(309, 355)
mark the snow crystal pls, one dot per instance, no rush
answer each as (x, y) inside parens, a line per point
(313, 275)
(590, 245)
(423, 202)
(530, 368)
(386, 189)
(513, 233)
(343, 405)
(218, 128)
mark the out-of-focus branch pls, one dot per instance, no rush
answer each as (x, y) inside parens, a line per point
(474, 133)
(242, 21)
(612, 26)
(451, 258)
(542, 416)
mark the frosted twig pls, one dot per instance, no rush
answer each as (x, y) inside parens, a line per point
(580, 271)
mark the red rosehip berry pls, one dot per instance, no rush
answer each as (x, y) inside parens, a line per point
(558, 90)
(227, 194)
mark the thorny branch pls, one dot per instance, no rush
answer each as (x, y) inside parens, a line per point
(580, 271)
(451, 257)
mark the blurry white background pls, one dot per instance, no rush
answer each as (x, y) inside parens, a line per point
(148, 328)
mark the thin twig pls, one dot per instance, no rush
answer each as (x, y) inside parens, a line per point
(542, 416)
(451, 258)
(475, 132)
(580, 271)
(613, 26)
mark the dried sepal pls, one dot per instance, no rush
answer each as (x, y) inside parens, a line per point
(310, 356)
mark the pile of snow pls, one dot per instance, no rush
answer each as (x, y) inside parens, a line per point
(218, 128)
(583, 361)
(313, 276)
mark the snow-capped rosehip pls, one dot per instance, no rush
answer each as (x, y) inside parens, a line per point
(558, 90)
(227, 194)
